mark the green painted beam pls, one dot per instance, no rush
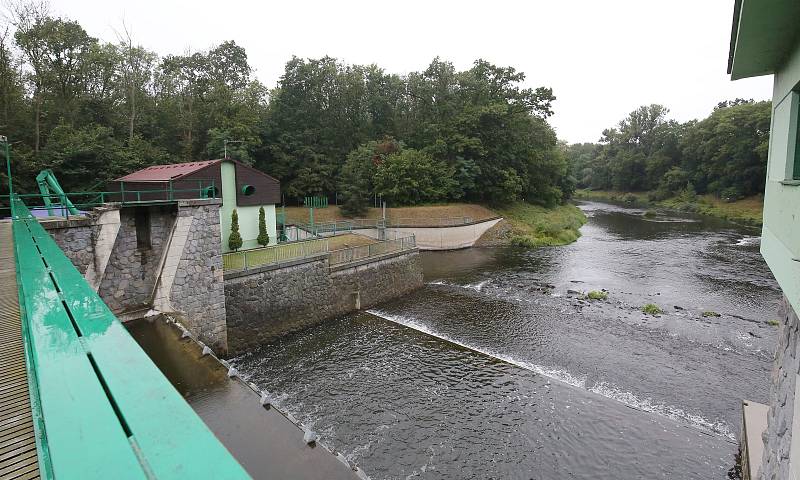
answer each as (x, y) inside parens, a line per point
(107, 409)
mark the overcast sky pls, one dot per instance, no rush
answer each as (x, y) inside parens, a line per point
(602, 58)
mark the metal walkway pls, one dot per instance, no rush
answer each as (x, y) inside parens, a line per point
(99, 408)
(18, 456)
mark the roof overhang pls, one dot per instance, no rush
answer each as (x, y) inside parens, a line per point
(764, 33)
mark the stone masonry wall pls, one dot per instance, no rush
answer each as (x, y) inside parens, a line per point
(75, 239)
(198, 290)
(778, 435)
(129, 278)
(264, 303)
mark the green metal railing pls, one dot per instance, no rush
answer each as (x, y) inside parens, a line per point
(257, 257)
(362, 252)
(103, 409)
(63, 204)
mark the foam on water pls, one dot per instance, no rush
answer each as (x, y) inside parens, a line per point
(477, 286)
(746, 241)
(601, 388)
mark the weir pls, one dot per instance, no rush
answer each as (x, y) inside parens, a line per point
(91, 398)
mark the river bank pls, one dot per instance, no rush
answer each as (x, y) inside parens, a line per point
(747, 211)
(523, 224)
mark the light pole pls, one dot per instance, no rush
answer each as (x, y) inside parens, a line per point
(225, 146)
(4, 141)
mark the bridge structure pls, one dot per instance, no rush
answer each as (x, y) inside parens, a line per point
(79, 399)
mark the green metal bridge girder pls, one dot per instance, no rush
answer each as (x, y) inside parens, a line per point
(104, 409)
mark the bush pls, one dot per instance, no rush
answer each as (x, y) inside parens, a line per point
(710, 313)
(235, 239)
(629, 198)
(263, 236)
(650, 214)
(773, 323)
(597, 295)
(652, 309)
(731, 194)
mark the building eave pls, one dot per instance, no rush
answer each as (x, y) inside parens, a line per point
(763, 34)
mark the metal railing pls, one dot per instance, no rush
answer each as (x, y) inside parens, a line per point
(86, 200)
(257, 257)
(346, 226)
(353, 254)
(429, 222)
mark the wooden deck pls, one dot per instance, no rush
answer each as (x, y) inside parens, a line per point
(18, 456)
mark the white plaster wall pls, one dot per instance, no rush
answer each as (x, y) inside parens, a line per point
(439, 238)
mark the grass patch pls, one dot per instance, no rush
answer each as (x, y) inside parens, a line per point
(597, 295)
(773, 323)
(650, 214)
(652, 309)
(710, 313)
(536, 226)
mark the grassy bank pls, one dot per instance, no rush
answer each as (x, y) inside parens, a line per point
(747, 210)
(535, 226)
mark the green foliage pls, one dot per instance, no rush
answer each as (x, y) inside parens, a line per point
(263, 236)
(773, 323)
(597, 295)
(724, 154)
(652, 309)
(411, 177)
(93, 110)
(710, 313)
(650, 214)
(235, 239)
(357, 179)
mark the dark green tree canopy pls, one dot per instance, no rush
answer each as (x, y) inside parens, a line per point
(724, 154)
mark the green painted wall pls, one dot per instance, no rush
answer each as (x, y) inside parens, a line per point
(248, 216)
(780, 244)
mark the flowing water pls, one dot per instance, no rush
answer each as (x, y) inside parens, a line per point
(500, 368)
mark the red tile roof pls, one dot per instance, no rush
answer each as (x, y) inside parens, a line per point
(164, 173)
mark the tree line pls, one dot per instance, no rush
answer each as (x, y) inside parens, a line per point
(93, 110)
(724, 154)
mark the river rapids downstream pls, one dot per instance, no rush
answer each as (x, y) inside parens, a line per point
(500, 368)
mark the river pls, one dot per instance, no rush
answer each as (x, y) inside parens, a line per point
(499, 368)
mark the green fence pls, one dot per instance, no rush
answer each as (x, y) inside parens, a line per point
(353, 254)
(280, 253)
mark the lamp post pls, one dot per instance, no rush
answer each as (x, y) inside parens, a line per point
(225, 146)
(4, 142)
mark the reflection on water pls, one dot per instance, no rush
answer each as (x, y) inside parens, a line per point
(498, 368)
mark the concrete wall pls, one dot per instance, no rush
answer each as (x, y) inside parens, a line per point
(266, 302)
(439, 238)
(191, 283)
(180, 273)
(129, 279)
(248, 216)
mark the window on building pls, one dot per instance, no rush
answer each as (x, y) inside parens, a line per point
(248, 189)
(142, 220)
